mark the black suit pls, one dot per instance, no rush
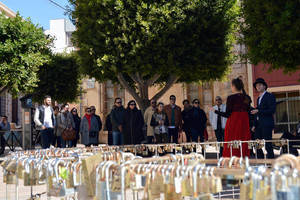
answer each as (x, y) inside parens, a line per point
(264, 122)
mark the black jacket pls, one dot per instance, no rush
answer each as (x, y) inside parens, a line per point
(133, 126)
(99, 121)
(108, 125)
(77, 122)
(266, 110)
(117, 117)
(186, 119)
(198, 119)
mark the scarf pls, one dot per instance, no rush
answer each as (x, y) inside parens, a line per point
(88, 117)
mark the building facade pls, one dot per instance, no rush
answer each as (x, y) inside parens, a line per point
(61, 31)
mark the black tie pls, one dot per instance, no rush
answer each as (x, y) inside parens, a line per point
(219, 123)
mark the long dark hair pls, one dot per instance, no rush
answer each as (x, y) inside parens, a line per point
(131, 101)
(239, 85)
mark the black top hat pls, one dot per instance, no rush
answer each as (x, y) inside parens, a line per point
(260, 80)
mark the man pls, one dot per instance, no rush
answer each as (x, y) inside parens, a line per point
(45, 120)
(186, 119)
(93, 112)
(5, 128)
(218, 122)
(264, 120)
(117, 120)
(175, 120)
(147, 117)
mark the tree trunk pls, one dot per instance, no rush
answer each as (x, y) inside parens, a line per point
(142, 95)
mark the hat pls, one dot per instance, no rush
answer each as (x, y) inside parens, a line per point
(260, 80)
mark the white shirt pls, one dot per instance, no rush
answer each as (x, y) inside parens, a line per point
(48, 117)
(260, 97)
(213, 117)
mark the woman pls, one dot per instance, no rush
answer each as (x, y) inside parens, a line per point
(66, 123)
(160, 124)
(77, 121)
(57, 132)
(186, 119)
(133, 124)
(198, 121)
(237, 125)
(89, 129)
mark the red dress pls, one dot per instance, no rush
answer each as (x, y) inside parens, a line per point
(237, 125)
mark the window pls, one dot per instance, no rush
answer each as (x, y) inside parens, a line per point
(112, 92)
(193, 91)
(109, 95)
(287, 111)
(3, 105)
(90, 83)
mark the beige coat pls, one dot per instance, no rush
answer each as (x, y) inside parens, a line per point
(147, 117)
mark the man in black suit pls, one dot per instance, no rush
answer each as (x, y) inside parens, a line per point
(264, 120)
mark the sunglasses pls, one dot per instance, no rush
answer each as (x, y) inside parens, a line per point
(88, 111)
(132, 104)
(75, 111)
(118, 102)
(196, 102)
(154, 102)
(172, 98)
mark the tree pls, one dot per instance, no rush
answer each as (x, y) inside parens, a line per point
(140, 43)
(60, 78)
(23, 49)
(271, 33)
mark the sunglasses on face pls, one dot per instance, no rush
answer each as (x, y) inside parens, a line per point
(132, 104)
(119, 102)
(74, 111)
(88, 111)
(196, 102)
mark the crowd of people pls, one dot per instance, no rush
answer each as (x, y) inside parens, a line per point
(160, 123)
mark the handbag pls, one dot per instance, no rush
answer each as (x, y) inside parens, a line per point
(68, 134)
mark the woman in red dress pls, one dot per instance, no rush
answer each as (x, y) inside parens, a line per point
(237, 125)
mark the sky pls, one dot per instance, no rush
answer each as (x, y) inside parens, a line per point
(39, 11)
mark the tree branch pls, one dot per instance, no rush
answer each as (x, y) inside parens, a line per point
(172, 79)
(129, 88)
(139, 78)
(152, 80)
(134, 78)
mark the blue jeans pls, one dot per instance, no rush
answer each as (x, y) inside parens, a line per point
(47, 137)
(117, 138)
